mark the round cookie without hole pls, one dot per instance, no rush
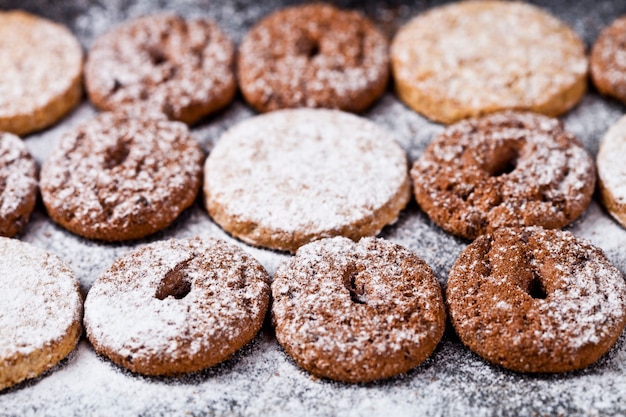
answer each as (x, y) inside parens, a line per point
(41, 65)
(536, 300)
(283, 179)
(612, 171)
(473, 58)
(177, 306)
(40, 311)
(608, 60)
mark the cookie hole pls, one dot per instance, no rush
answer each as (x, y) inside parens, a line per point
(175, 284)
(355, 286)
(117, 154)
(504, 162)
(536, 289)
(314, 51)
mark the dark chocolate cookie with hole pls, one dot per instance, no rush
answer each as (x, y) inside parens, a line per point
(177, 306)
(357, 312)
(504, 170)
(536, 300)
(117, 178)
(182, 68)
(313, 55)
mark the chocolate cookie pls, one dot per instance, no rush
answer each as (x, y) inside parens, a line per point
(183, 68)
(608, 60)
(313, 56)
(507, 169)
(40, 311)
(356, 312)
(41, 66)
(18, 185)
(536, 300)
(612, 171)
(286, 178)
(473, 58)
(177, 306)
(117, 178)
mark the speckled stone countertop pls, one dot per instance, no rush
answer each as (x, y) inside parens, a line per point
(261, 379)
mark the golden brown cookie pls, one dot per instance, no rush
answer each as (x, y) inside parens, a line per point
(473, 58)
(117, 178)
(18, 185)
(183, 68)
(506, 169)
(612, 171)
(285, 178)
(357, 312)
(177, 306)
(313, 56)
(40, 311)
(41, 65)
(536, 300)
(608, 60)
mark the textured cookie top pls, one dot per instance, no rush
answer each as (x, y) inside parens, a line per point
(114, 177)
(477, 57)
(611, 166)
(300, 174)
(507, 169)
(39, 299)
(345, 310)
(39, 62)
(18, 182)
(170, 302)
(313, 56)
(608, 60)
(181, 68)
(536, 300)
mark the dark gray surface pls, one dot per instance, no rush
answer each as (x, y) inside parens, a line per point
(261, 379)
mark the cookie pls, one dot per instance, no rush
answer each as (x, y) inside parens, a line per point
(357, 312)
(612, 171)
(608, 60)
(183, 68)
(177, 306)
(40, 311)
(313, 56)
(536, 300)
(18, 185)
(116, 178)
(41, 66)
(506, 169)
(283, 179)
(473, 58)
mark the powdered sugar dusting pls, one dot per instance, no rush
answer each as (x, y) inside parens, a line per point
(39, 300)
(18, 176)
(611, 166)
(307, 171)
(127, 313)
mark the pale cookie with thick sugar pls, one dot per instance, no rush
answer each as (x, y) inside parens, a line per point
(536, 300)
(117, 178)
(283, 179)
(41, 67)
(612, 171)
(472, 58)
(608, 60)
(163, 62)
(313, 55)
(357, 312)
(18, 185)
(40, 311)
(177, 306)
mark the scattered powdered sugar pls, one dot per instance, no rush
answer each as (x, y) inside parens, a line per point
(39, 300)
(261, 379)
